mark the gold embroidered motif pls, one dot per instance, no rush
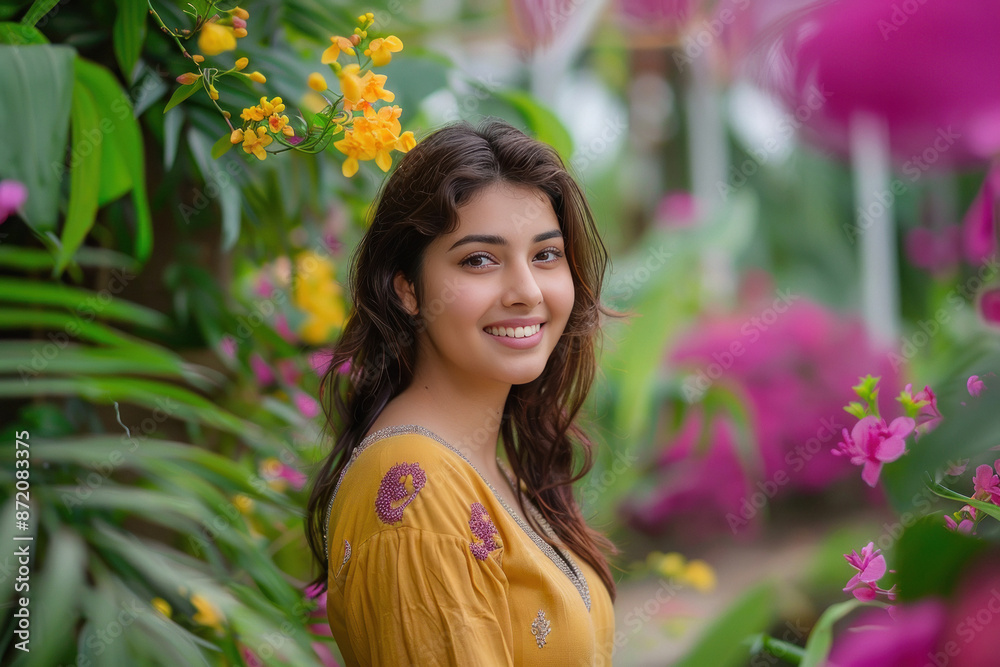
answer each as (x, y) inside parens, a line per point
(540, 628)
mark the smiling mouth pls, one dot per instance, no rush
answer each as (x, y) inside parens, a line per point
(514, 332)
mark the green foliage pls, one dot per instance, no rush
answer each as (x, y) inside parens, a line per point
(722, 644)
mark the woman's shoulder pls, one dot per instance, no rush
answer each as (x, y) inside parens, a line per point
(405, 476)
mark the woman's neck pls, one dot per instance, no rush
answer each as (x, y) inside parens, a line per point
(467, 419)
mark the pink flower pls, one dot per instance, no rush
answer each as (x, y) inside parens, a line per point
(986, 484)
(871, 567)
(264, 287)
(989, 306)
(290, 373)
(283, 330)
(872, 443)
(677, 209)
(306, 404)
(902, 640)
(980, 237)
(929, 415)
(228, 347)
(965, 527)
(261, 371)
(320, 361)
(975, 385)
(13, 194)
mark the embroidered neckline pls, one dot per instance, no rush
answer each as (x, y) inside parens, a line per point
(560, 557)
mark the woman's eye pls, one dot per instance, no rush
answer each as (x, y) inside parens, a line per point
(476, 261)
(553, 254)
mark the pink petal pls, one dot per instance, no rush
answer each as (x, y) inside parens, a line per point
(13, 194)
(261, 371)
(890, 449)
(980, 240)
(974, 385)
(874, 571)
(871, 472)
(865, 593)
(306, 405)
(989, 305)
(902, 426)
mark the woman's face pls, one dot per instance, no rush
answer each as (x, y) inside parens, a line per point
(496, 293)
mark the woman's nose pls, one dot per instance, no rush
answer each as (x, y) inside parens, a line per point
(522, 287)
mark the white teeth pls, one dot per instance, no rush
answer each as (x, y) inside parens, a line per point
(518, 332)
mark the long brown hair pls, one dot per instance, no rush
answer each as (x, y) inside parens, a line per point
(418, 203)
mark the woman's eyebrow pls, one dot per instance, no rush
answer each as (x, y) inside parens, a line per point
(494, 239)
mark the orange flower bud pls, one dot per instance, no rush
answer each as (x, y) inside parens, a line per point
(317, 82)
(257, 77)
(240, 32)
(198, 59)
(187, 78)
(236, 137)
(355, 39)
(240, 12)
(241, 64)
(212, 92)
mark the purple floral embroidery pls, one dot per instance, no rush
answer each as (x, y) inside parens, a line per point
(393, 489)
(483, 528)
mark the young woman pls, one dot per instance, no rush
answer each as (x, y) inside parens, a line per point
(476, 295)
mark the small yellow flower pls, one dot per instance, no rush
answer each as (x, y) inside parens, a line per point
(207, 614)
(667, 565)
(187, 78)
(241, 64)
(372, 88)
(214, 39)
(317, 82)
(161, 606)
(406, 142)
(333, 52)
(272, 107)
(381, 50)
(243, 503)
(350, 83)
(252, 114)
(236, 137)
(256, 142)
(257, 77)
(277, 123)
(700, 576)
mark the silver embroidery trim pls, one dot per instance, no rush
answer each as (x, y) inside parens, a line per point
(563, 560)
(540, 627)
(347, 557)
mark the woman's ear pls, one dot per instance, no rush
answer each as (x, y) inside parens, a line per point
(406, 293)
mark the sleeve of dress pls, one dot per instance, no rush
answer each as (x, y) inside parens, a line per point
(417, 597)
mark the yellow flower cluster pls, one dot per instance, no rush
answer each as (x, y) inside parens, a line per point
(255, 138)
(220, 34)
(696, 573)
(318, 294)
(372, 136)
(374, 133)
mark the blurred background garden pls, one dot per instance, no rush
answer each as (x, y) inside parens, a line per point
(795, 195)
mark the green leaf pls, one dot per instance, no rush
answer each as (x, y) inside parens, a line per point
(945, 492)
(83, 302)
(37, 85)
(36, 259)
(221, 147)
(721, 645)
(543, 123)
(17, 33)
(123, 164)
(85, 172)
(182, 94)
(821, 637)
(37, 11)
(930, 560)
(129, 34)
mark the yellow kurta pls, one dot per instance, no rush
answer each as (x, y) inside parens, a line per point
(429, 566)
